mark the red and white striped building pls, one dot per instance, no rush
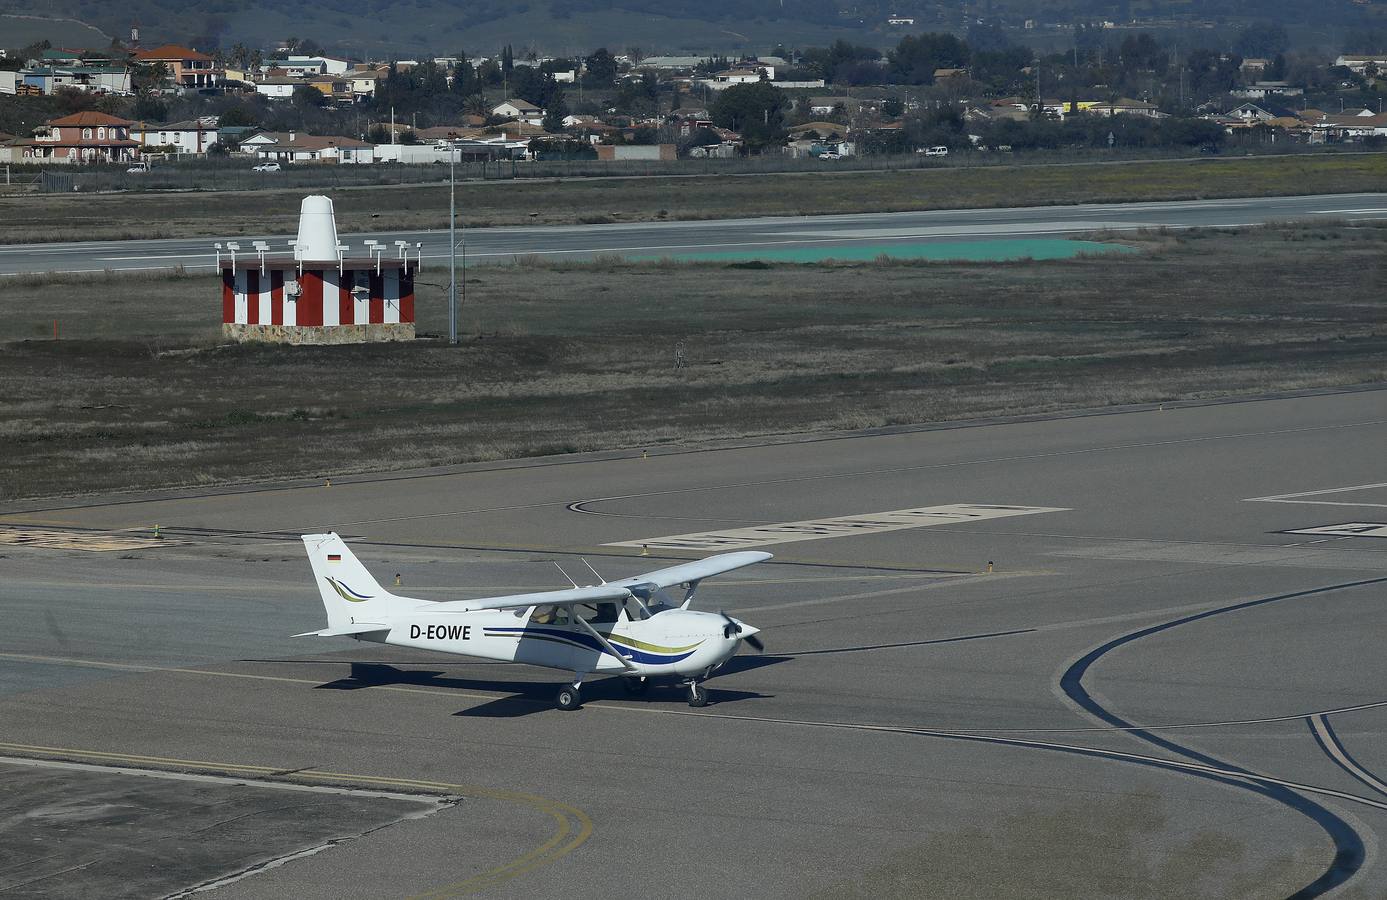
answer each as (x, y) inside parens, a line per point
(319, 295)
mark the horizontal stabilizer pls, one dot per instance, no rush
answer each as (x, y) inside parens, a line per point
(358, 628)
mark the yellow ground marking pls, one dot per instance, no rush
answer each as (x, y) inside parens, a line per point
(572, 826)
(97, 541)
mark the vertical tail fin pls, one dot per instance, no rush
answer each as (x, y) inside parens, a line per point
(350, 595)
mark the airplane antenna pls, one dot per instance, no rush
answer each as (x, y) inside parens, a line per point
(565, 574)
(593, 571)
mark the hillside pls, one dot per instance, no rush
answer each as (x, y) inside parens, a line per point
(417, 27)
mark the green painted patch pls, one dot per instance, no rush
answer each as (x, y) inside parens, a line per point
(974, 251)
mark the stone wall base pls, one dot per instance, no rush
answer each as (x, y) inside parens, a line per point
(330, 334)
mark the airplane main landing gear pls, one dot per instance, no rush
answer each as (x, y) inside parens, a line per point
(698, 694)
(570, 696)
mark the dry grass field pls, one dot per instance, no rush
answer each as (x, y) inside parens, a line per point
(121, 216)
(139, 391)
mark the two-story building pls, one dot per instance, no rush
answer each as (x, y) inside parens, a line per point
(79, 138)
(187, 67)
(193, 136)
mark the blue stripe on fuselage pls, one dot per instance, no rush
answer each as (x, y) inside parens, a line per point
(588, 642)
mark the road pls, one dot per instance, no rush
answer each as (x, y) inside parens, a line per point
(653, 238)
(1163, 677)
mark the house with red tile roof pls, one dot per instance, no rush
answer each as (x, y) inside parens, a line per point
(83, 137)
(187, 67)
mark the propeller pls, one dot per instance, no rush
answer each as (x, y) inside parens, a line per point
(734, 627)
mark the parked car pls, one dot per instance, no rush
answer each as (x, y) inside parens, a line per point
(829, 154)
(937, 151)
(266, 167)
(138, 168)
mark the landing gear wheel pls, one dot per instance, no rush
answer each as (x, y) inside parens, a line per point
(636, 686)
(568, 699)
(698, 695)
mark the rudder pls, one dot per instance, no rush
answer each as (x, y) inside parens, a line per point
(350, 594)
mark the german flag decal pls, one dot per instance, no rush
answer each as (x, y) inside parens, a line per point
(334, 557)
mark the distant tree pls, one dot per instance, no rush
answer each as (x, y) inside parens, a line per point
(917, 56)
(476, 105)
(832, 63)
(600, 69)
(149, 108)
(305, 97)
(892, 108)
(378, 134)
(757, 111)
(1141, 52)
(489, 73)
(638, 95)
(555, 112)
(235, 116)
(464, 82)
(151, 77)
(408, 136)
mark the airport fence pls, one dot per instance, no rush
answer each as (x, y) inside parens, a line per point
(235, 174)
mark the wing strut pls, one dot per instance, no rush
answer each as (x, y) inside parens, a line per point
(603, 641)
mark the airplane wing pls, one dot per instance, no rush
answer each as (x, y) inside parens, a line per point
(614, 591)
(601, 593)
(694, 571)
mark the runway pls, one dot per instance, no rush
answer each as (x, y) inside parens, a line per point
(485, 245)
(1124, 654)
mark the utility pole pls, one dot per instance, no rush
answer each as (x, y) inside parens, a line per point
(452, 247)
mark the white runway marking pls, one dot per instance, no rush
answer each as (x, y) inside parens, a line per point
(839, 526)
(1348, 529)
(1298, 497)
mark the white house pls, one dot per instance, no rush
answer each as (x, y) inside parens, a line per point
(253, 144)
(303, 66)
(193, 136)
(278, 88)
(747, 75)
(1358, 62)
(364, 81)
(315, 148)
(519, 109)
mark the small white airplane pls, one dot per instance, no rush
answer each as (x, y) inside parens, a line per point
(628, 627)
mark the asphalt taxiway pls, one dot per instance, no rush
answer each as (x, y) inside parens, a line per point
(1163, 680)
(482, 245)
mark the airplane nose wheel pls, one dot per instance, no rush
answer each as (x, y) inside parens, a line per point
(698, 694)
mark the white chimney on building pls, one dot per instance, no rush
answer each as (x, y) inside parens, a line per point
(317, 241)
